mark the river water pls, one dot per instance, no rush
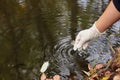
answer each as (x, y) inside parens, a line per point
(35, 31)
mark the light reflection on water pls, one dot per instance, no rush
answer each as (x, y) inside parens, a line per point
(42, 30)
(98, 51)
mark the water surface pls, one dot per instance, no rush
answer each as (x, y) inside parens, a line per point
(34, 31)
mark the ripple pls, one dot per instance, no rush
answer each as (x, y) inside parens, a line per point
(64, 47)
(68, 61)
(66, 58)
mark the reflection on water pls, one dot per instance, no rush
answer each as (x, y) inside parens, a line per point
(34, 31)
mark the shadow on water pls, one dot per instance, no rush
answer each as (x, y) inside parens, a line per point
(34, 31)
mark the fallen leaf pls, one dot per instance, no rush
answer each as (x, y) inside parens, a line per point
(87, 73)
(44, 67)
(105, 78)
(43, 76)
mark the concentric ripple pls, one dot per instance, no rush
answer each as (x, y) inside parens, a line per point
(68, 62)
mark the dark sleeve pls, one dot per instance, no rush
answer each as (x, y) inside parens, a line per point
(117, 4)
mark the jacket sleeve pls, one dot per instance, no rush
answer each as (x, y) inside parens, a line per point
(117, 4)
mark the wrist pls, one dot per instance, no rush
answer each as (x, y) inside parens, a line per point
(101, 26)
(94, 31)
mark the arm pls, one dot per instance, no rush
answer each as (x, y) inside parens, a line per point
(110, 15)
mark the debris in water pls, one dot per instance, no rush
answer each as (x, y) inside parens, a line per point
(44, 67)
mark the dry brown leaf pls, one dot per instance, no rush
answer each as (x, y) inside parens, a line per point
(43, 76)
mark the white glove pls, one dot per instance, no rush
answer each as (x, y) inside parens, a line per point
(84, 36)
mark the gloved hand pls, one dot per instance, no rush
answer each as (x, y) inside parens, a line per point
(85, 36)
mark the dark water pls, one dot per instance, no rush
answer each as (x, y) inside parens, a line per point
(34, 31)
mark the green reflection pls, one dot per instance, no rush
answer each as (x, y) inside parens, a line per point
(29, 29)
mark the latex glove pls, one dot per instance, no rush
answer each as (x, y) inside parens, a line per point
(85, 36)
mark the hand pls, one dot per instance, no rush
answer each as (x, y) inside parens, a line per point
(85, 36)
